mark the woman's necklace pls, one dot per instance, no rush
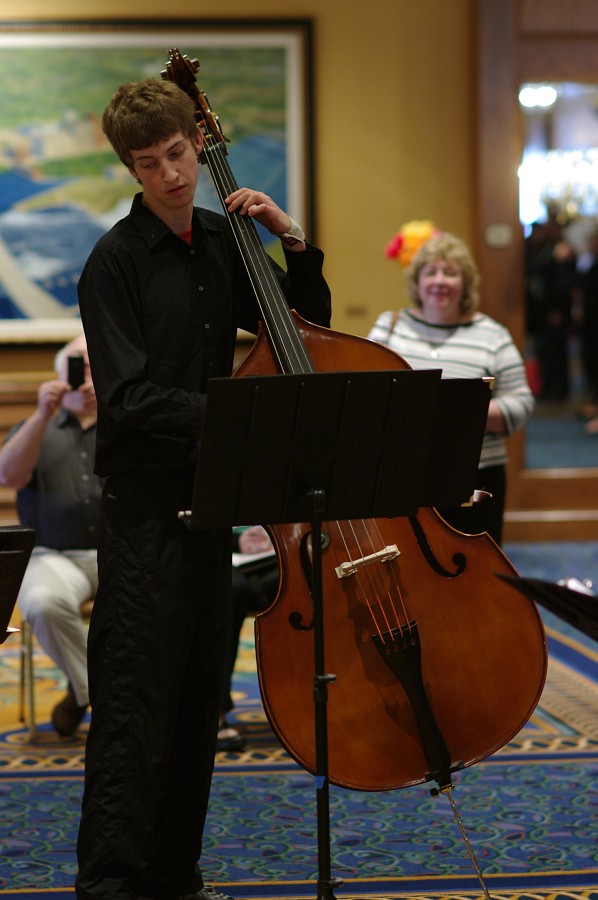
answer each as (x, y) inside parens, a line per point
(436, 334)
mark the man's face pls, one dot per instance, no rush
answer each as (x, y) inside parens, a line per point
(168, 173)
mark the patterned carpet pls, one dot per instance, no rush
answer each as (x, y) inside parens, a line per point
(530, 811)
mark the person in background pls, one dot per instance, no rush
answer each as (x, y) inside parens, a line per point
(252, 591)
(444, 329)
(550, 262)
(161, 298)
(586, 286)
(49, 460)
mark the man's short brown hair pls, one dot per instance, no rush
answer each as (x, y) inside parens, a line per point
(143, 113)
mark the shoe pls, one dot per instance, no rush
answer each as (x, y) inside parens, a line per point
(228, 739)
(66, 715)
(207, 893)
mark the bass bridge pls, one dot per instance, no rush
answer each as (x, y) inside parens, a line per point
(389, 552)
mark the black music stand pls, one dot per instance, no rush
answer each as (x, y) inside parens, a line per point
(16, 544)
(333, 446)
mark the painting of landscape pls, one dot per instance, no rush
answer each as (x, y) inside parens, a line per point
(61, 185)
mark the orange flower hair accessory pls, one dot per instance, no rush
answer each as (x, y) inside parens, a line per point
(407, 241)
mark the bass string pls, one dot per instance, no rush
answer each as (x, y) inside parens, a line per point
(181, 71)
(374, 594)
(278, 321)
(377, 585)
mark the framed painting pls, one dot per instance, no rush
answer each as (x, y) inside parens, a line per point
(61, 185)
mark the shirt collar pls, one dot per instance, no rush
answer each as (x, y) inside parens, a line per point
(65, 419)
(153, 229)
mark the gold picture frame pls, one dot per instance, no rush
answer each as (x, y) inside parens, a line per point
(61, 185)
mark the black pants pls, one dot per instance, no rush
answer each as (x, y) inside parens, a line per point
(486, 515)
(156, 660)
(249, 594)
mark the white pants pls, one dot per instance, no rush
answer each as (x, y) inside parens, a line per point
(55, 585)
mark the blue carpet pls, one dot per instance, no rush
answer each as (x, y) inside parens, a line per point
(556, 560)
(530, 810)
(559, 443)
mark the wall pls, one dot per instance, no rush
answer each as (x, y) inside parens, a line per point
(393, 117)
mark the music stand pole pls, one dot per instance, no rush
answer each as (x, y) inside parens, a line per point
(326, 883)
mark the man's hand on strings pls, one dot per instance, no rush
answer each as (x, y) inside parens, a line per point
(259, 206)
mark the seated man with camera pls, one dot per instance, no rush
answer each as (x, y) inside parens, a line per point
(49, 459)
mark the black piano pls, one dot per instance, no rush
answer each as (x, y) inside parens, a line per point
(572, 601)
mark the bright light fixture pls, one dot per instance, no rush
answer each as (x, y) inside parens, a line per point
(533, 96)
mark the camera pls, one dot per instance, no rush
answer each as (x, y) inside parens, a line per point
(76, 371)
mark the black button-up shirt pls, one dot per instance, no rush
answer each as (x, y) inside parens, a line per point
(161, 318)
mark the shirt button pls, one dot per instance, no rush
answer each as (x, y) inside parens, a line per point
(85, 478)
(207, 325)
(192, 251)
(200, 287)
(83, 454)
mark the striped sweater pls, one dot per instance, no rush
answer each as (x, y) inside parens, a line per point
(473, 349)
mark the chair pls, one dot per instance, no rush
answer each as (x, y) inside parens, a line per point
(27, 683)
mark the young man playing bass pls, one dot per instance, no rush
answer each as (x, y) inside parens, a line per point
(161, 298)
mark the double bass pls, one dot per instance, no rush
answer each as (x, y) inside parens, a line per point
(438, 663)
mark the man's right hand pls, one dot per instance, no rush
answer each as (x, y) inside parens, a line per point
(20, 453)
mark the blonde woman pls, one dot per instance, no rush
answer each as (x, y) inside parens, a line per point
(444, 329)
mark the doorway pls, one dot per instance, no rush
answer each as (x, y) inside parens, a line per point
(520, 43)
(558, 209)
